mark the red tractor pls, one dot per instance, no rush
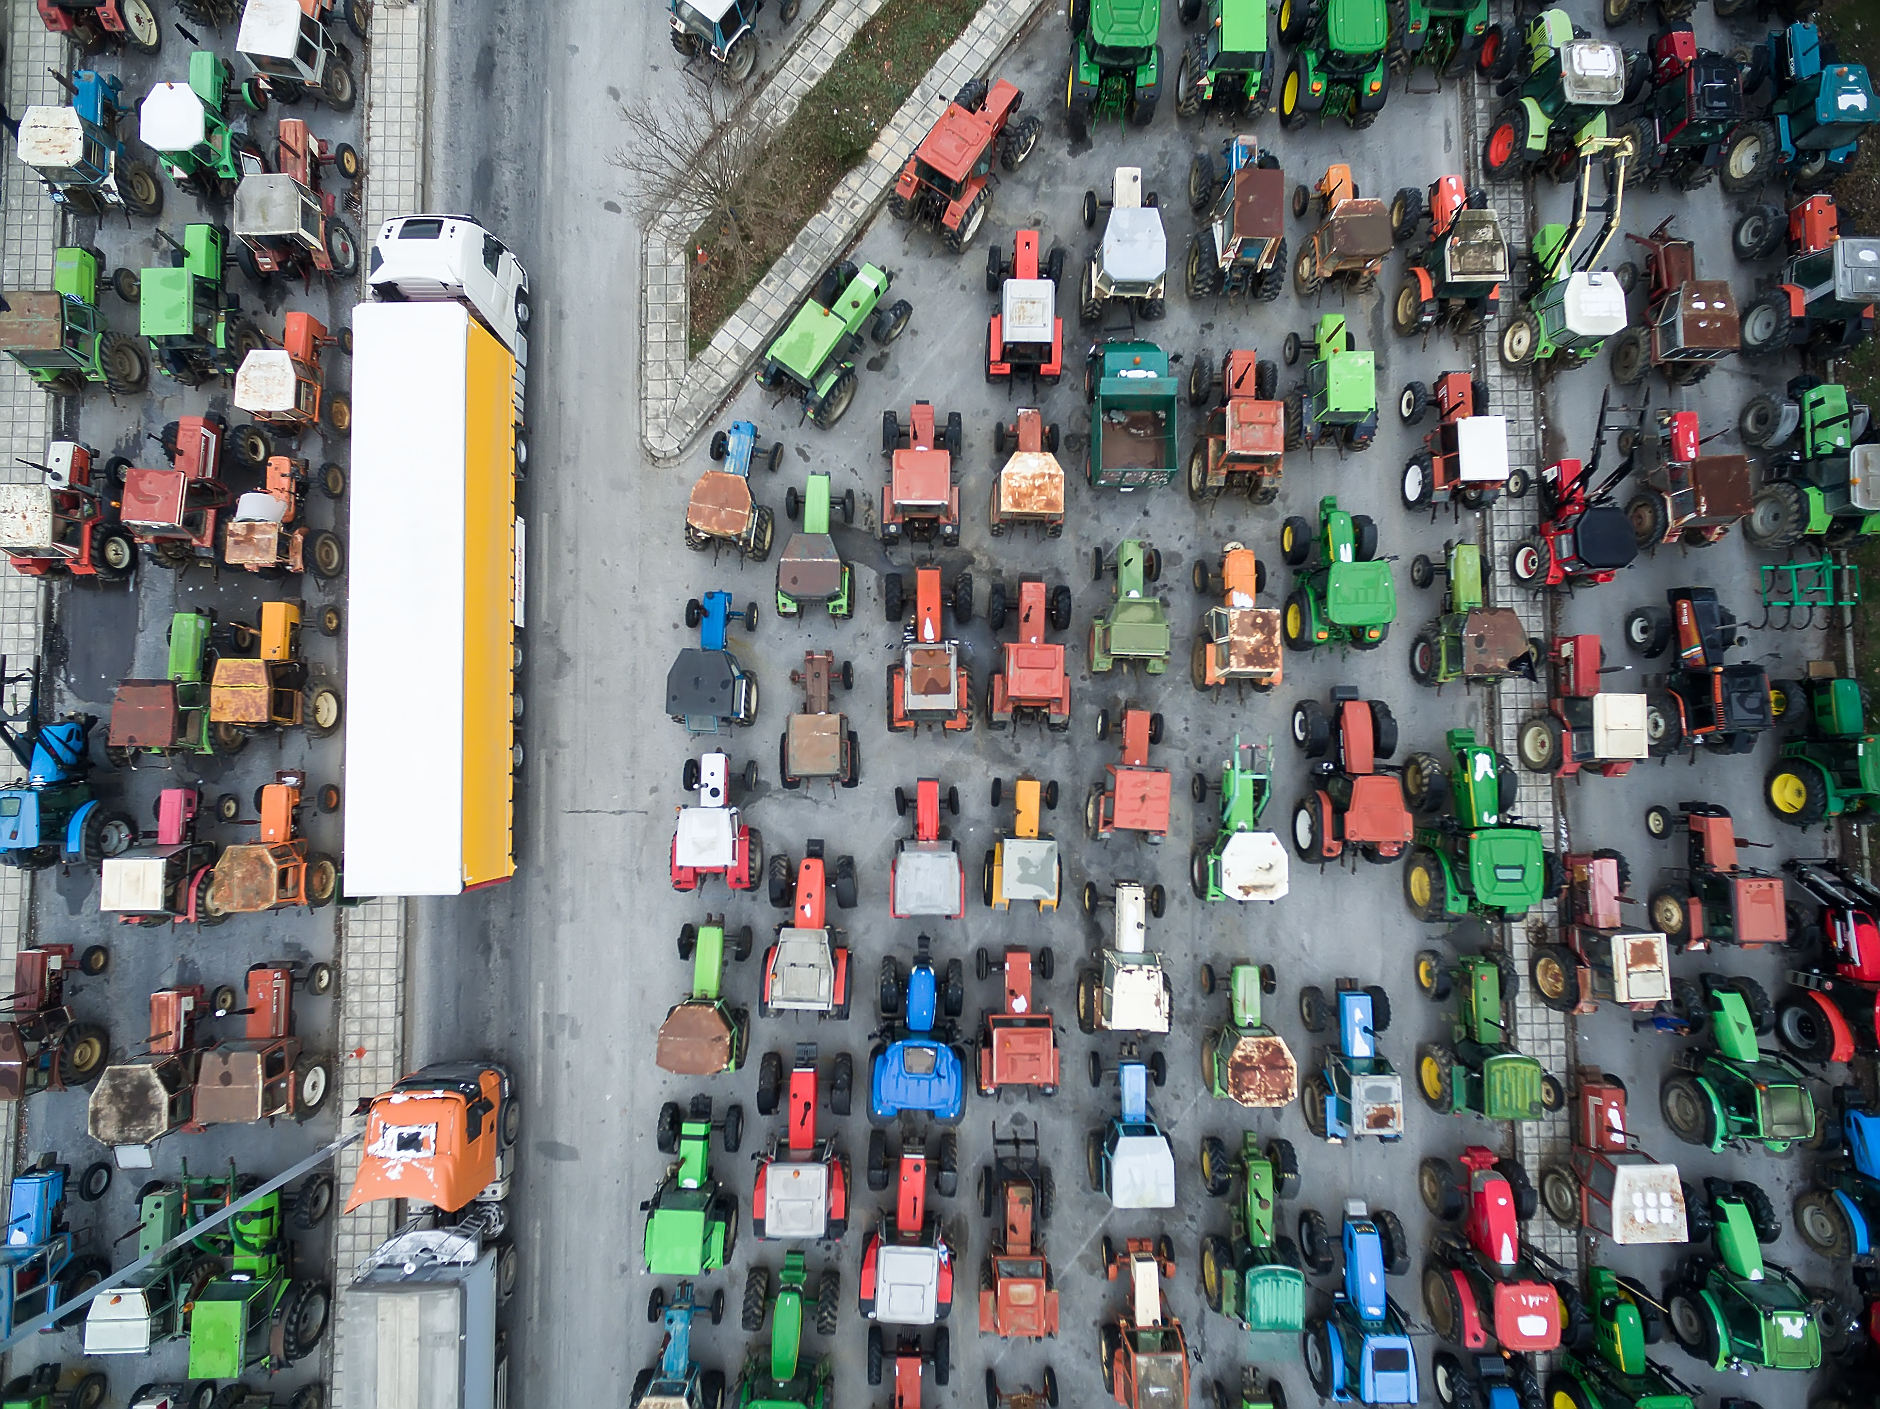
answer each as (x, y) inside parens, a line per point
(1018, 1044)
(93, 25)
(1027, 336)
(929, 683)
(1585, 726)
(1609, 1185)
(1031, 683)
(1356, 801)
(175, 511)
(1688, 499)
(802, 1188)
(907, 1262)
(1715, 900)
(1479, 1282)
(1465, 459)
(1136, 798)
(806, 970)
(42, 1047)
(1584, 537)
(927, 876)
(1835, 1015)
(1603, 959)
(711, 838)
(911, 1360)
(1016, 1295)
(947, 182)
(921, 500)
(68, 522)
(1145, 1354)
(1690, 324)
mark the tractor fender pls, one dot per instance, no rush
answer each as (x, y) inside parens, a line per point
(1455, 902)
(75, 831)
(1837, 1024)
(907, 184)
(1474, 1333)
(1426, 286)
(1798, 299)
(1311, 84)
(1720, 1122)
(956, 212)
(1716, 1313)
(1819, 518)
(1335, 1343)
(1374, 89)
(1539, 125)
(1788, 420)
(1331, 827)
(1856, 1222)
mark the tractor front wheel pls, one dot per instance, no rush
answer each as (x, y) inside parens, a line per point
(1519, 341)
(1796, 793)
(1748, 157)
(1425, 887)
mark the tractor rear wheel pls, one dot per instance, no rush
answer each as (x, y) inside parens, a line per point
(1759, 233)
(326, 554)
(1438, 1187)
(1504, 154)
(1747, 157)
(1426, 887)
(1631, 357)
(1556, 977)
(304, 1318)
(1441, 1301)
(125, 364)
(1778, 516)
(322, 882)
(1647, 515)
(143, 194)
(1796, 793)
(1541, 744)
(342, 248)
(339, 88)
(1519, 340)
(1822, 1224)
(1436, 1076)
(1687, 1111)
(1766, 324)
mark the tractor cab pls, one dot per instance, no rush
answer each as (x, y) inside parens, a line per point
(284, 230)
(1611, 1186)
(1131, 1159)
(1145, 1354)
(263, 534)
(1241, 196)
(76, 151)
(278, 870)
(443, 1136)
(187, 126)
(711, 838)
(139, 1101)
(286, 43)
(57, 524)
(167, 882)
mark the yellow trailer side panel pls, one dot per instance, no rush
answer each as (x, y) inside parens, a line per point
(489, 597)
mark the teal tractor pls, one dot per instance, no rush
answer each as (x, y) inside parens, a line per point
(1336, 404)
(1614, 1371)
(1132, 398)
(1115, 64)
(677, 1382)
(1478, 1069)
(193, 325)
(1568, 306)
(1225, 67)
(811, 571)
(813, 361)
(1135, 629)
(190, 128)
(1819, 105)
(1342, 590)
(1828, 769)
(1445, 36)
(1736, 1310)
(1823, 479)
(1252, 1275)
(1470, 858)
(784, 1378)
(1241, 863)
(78, 154)
(1340, 64)
(60, 337)
(1562, 90)
(1728, 1090)
(257, 1314)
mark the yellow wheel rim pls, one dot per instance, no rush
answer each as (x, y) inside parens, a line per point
(1788, 792)
(1295, 621)
(1210, 1274)
(1426, 971)
(1549, 977)
(1778, 703)
(1286, 539)
(1563, 1400)
(1289, 98)
(1432, 1078)
(1420, 894)
(1070, 82)
(1285, 14)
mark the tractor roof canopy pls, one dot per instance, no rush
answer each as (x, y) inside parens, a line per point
(1476, 252)
(1505, 866)
(1135, 247)
(1254, 867)
(1142, 1171)
(1127, 23)
(1027, 312)
(172, 118)
(1592, 72)
(1592, 304)
(52, 139)
(1243, 32)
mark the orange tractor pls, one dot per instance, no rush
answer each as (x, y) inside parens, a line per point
(921, 500)
(1145, 1354)
(278, 870)
(1016, 1295)
(947, 183)
(930, 684)
(1136, 798)
(1238, 640)
(1031, 683)
(1017, 1044)
(1243, 439)
(284, 389)
(263, 536)
(268, 690)
(1029, 489)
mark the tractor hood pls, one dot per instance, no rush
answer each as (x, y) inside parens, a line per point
(1139, 627)
(1505, 867)
(1274, 1298)
(1388, 1371)
(1129, 24)
(1358, 26)
(675, 1234)
(1511, 1087)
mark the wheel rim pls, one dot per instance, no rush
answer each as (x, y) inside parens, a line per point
(340, 246)
(1788, 793)
(1420, 892)
(1527, 562)
(1295, 621)
(115, 838)
(1519, 341)
(1681, 1115)
(1430, 1191)
(326, 709)
(1426, 975)
(1501, 145)
(327, 556)
(1685, 1320)
(1760, 326)
(87, 1053)
(117, 553)
(1289, 96)
(1302, 827)
(1431, 1075)
(313, 1087)
(1745, 158)
(1818, 1226)
(1537, 744)
(1668, 913)
(1550, 976)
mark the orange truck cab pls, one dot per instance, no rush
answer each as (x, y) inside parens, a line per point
(443, 1137)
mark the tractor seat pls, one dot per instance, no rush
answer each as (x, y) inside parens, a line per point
(1605, 538)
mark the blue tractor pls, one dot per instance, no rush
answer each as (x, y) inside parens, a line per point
(1356, 1091)
(1840, 1217)
(708, 688)
(78, 154)
(1818, 108)
(53, 816)
(1361, 1351)
(40, 1257)
(916, 1064)
(1132, 1158)
(676, 1382)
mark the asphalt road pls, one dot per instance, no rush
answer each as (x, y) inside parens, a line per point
(566, 971)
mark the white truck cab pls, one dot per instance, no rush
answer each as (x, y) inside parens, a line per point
(438, 257)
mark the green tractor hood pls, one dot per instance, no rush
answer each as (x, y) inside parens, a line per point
(1511, 1087)
(1127, 24)
(1506, 867)
(1357, 27)
(1274, 1299)
(1361, 594)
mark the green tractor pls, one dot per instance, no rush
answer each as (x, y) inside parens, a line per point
(1246, 1061)
(1337, 402)
(193, 326)
(1240, 863)
(1115, 65)
(1563, 89)
(1479, 1070)
(1468, 859)
(692, 1219)
(1468, 640)
(1225, 66)
(705, 1035)
(1342, 592)
(1825, 770)
(257, 1314)
(811, 570)
(782, 1380)
(1252, 1275)
(1340, 65)
(189, 127)
(1822, 482)
(182, 696)
(1444, 36)
(1729, 1089)
(60, 337)
(1568, 307)
(51, 1386)
(1737, 1310)
(1614, 1372)
(813, 360)
(1135, 628)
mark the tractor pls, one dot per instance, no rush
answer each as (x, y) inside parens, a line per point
(1240, 863)
(1449, 37)
(817, 743)
(1361, 1350)
(1240, 249)
(67, 523)
(1025, 866)
(1342, 592)
(1614, 1371)
(1352, 242)
(190, 126)
(1568, 307)
(1737, 1310)
(1017, 1043)
(1115, 69)
(43, 1047)
(1237, 640)
(267, 1073)
(1256, 1391)
(1835, 1013)
(1464, 460)
(916, 1067)
(1026, 335)
(1470, 858)
(1245, 1061)
(1691, 104)
(803, 1188)
(782, 1378)
(1017, 1298)
(1340, 64)
(76, 151)
(1691, 324)
(1129, 989)
(927, 876)
(721, 508)
(1136, 796)
(1714, 899)
(704, 1034)
(724, 34)
(692, 1218)
(1704, 701)
(1135, 629)
(810, 571)
(677, 1381)
(947, 182)
(807, 969)
(813, 360)
(180, 511)
(92, 26)
(1355, 1092)
(1600, 958)
(1608, 1185)
(1467, 640)
(1478, 1069)
(60, 337)
(169, 717)
(1252, 1275)
(1812, 223)
(1132, 1159)
(1825, 769)
(257, 1314)
(168, 883)
(284, 224)
(1686, 498)
(1030, 684)
(1356, 799)
(1132, 398)
(1479, 1283)
(1453, 279)
(711, 838)
(1028, 491)
(1822, 301)
(708, 688)
(929, 683)
(1836, 1217)
(1561, 93)
(1824, 479)
(1145, 1354)
(1732, 1091)
(1817, 109)
(154, 1092)
(261, 535)
(1131, 262)
(43, 1267)
(1584, 538)
(1336, 404)
(284, 389)
(53, 816)
(1242, 439)
(908, 1260)
(292, 47)
(268, 691)
(1225, 66)
(909, 1360)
